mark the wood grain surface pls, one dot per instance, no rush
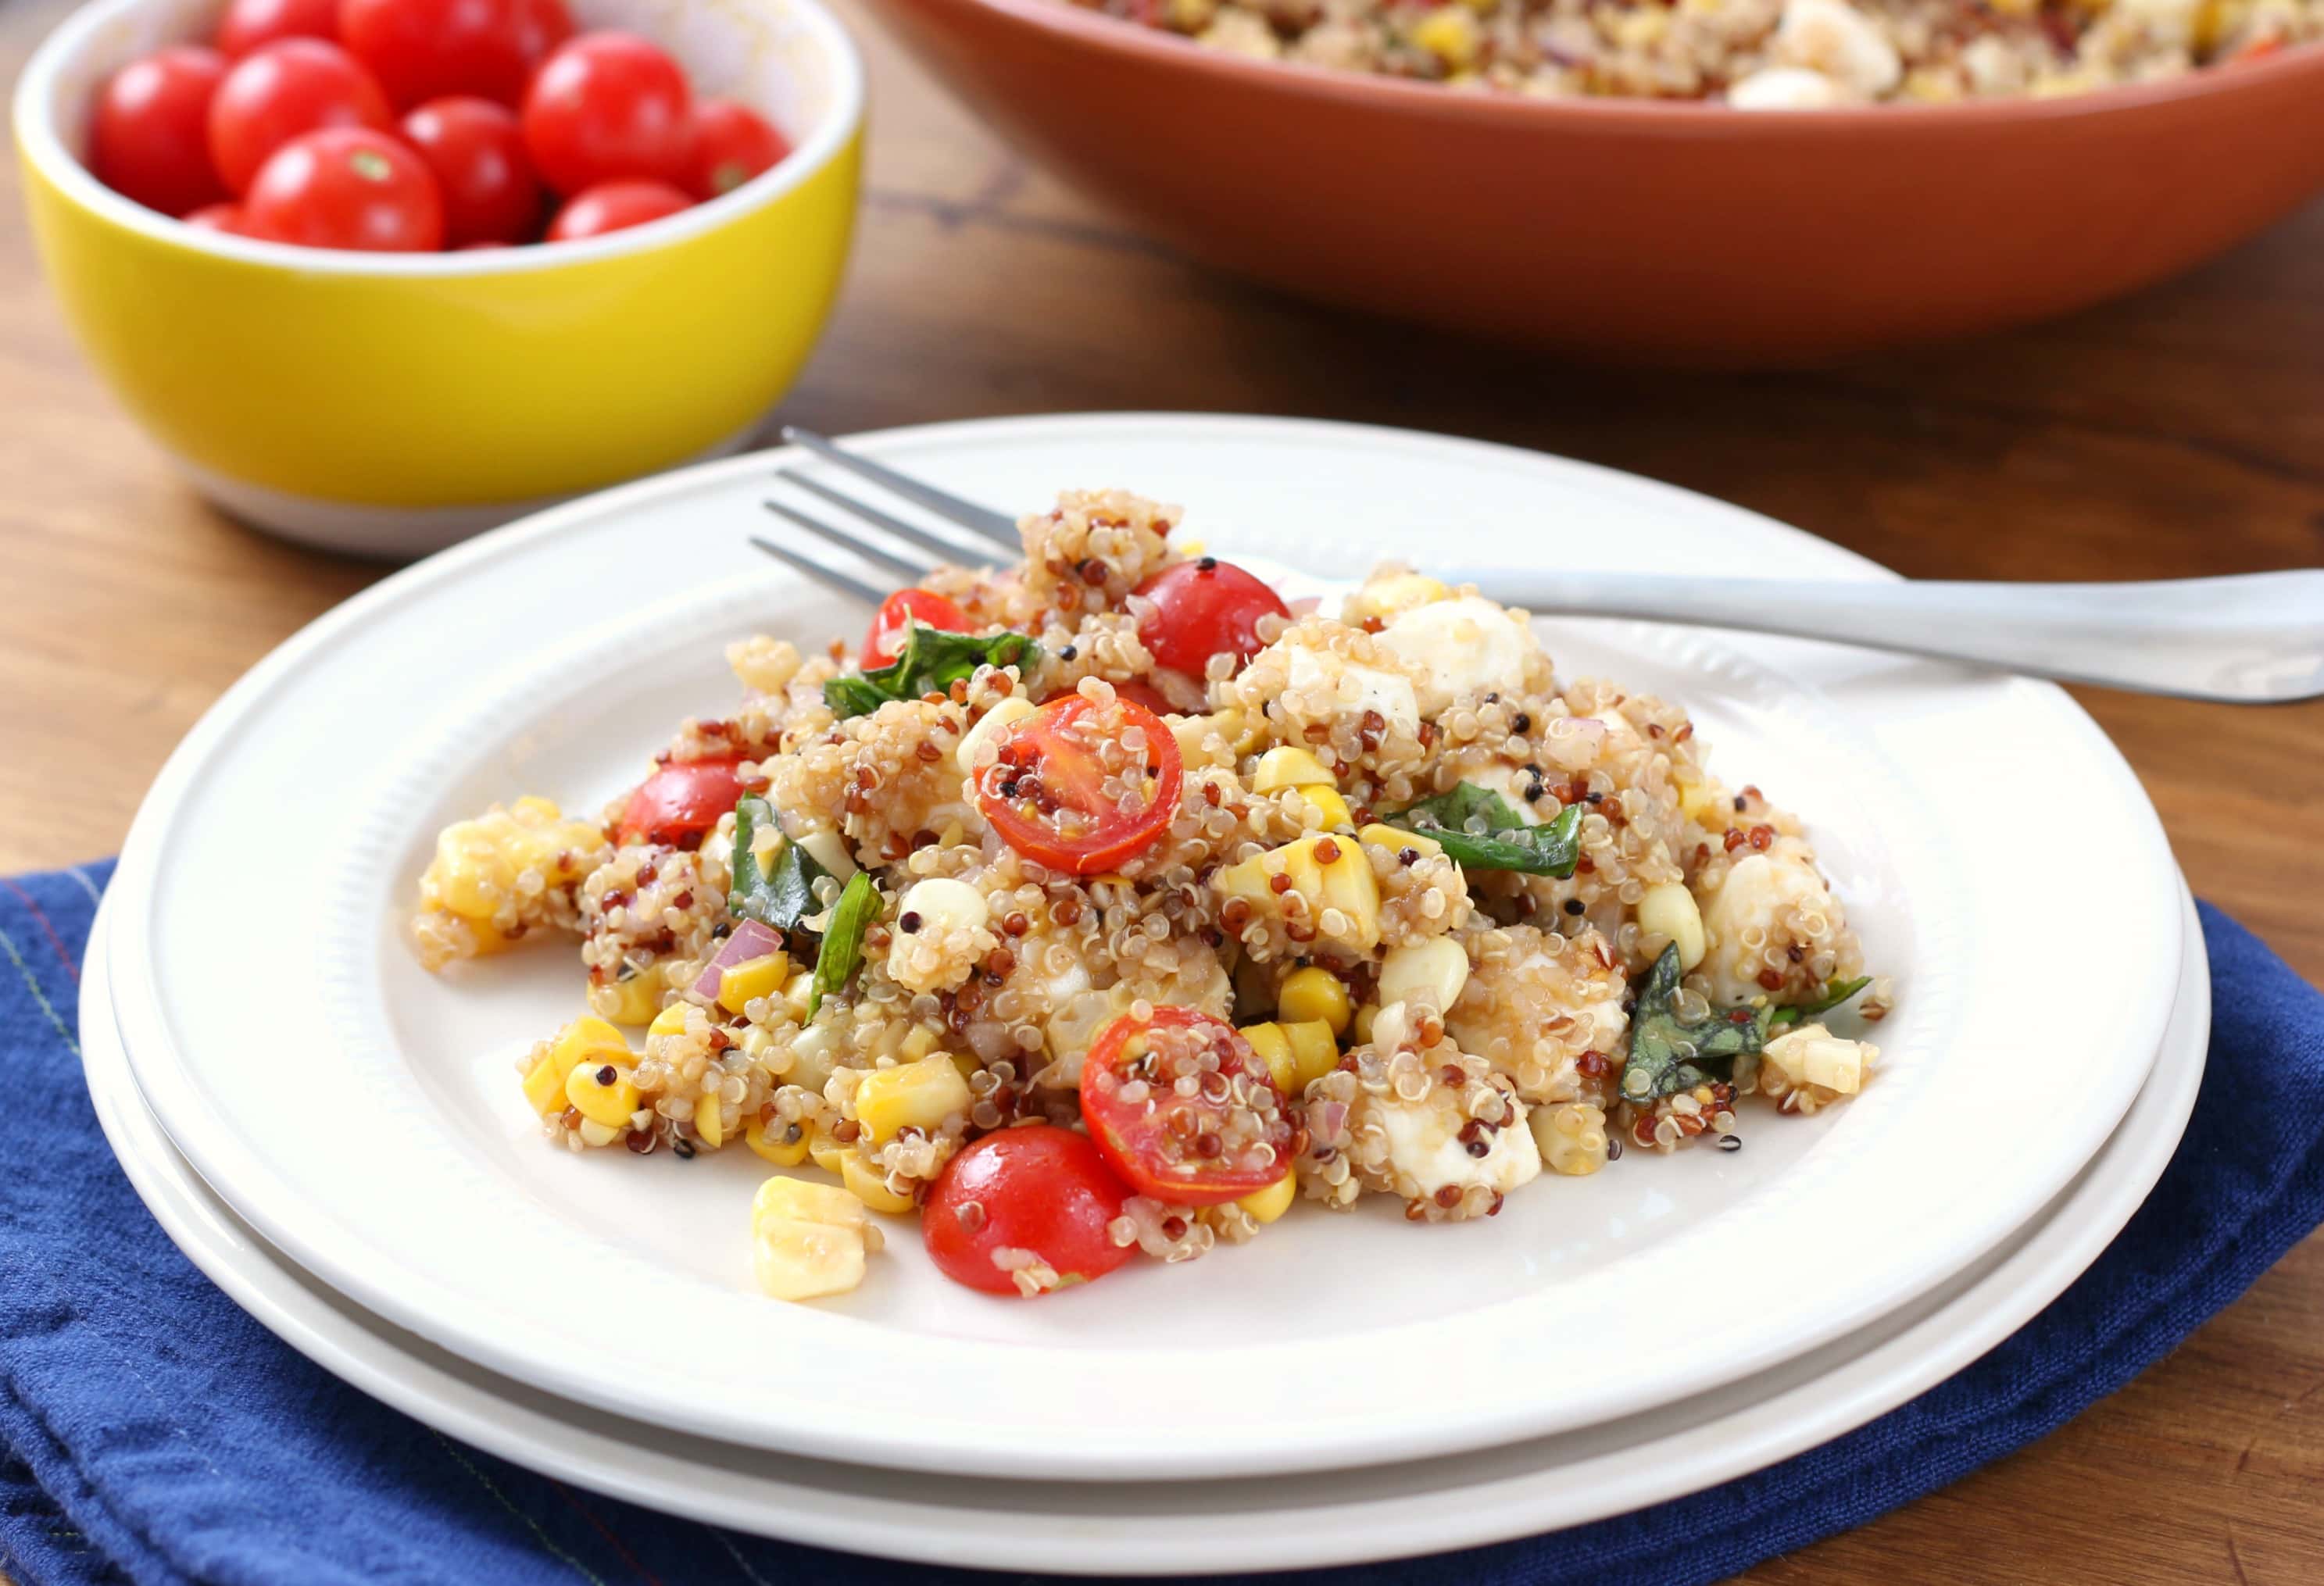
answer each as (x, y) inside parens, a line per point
(2180, 433)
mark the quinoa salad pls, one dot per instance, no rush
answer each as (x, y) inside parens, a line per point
(1751, 54)
(1108, 906)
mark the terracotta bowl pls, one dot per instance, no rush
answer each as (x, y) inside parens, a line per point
(1662, 232)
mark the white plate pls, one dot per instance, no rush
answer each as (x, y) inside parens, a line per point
(363, 1115)
(1331, 1517)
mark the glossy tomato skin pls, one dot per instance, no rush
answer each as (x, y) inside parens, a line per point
(681, 801)
(347, 187)
(1205, 608)
(249, 24)
(423, 50)
(731, 144)
(224, 218)
(149, 139)
(608, 107)
(1036, 1187)
(475, 149)
(893, 625)
(281, 90)
(1043, 793)
(1209, 1160)
(616, 206)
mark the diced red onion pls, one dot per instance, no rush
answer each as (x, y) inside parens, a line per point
(750, 940)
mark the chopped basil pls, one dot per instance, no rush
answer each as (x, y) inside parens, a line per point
(1834, 994)
(1669, 1054)
(932, 660)
(1479, 829)
(778, 900)
(843, 939)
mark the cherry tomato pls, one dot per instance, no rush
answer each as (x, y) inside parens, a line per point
(248, 24)
(614, 206)
(1204, 608)
(423, 50)
(1080, 786)
(347, 187)
(1229, 1137)
(893, 624)
(731, 144)
(681, 801)
(150, 138)
(607, 106)
(476, 150)
(281, 90)
(1037, 1188)
(224, 218)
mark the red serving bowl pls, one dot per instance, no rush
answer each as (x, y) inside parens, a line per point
(1638, 229)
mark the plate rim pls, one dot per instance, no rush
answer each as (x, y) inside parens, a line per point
(217, 1152)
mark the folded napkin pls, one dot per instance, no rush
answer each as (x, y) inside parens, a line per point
(152, 1432)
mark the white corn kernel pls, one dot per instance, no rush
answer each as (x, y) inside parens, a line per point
(1432, 972)
(1669, 910)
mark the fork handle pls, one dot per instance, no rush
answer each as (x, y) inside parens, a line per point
(2257, 638)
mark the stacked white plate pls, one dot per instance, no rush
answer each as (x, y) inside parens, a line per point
(337, 1138)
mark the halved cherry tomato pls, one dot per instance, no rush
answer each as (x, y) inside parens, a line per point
(289, 87)
(1233, 1136)
(606, 107)
(345, 187)
(731, 144)
(150, 138)
(1036, 1187)
(1205, 608)
(681, 801)
(248, 24)
(476, 150)
(897, 612)
(1080, 786)
(423, 50)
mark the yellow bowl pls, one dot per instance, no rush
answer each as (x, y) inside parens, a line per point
(390, 404)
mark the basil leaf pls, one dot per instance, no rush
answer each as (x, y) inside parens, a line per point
(1834, 994)
(779, 899)
(931, 661)
(1669, 1054)
(843, 939)
(1479, 829)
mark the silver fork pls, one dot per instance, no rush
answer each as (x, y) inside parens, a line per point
(2251, 639)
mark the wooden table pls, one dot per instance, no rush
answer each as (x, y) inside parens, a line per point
(2181, 433)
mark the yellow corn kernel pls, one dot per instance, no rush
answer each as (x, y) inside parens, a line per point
(1266, 1204)
(586, 1040)
(1924, 85)
(865, 1183)
(753, 978)
(1313, 1051)
(823, 1151)
(594, 1133)
(544, 1086)
(1330, 805)
(709, 1125)
(1397, 842)
(773, 1146)
(603, 1092)
(807, 1239)
(1450, 33)
(1315, 993)
(1289, 766)
(796, 990)
(917, 1043)
(1642, 29)
(1341, 884)
(1274, 1049)
(1702, 801)
(1391, 594)
(477, 862)
(669, 1021)
(1362, 1029)
(922, 1094)
(634, 1001)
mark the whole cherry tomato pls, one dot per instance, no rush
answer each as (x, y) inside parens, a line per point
(150, 138)
(614, 206)
(608, 106)
(281, 90)
(891, 625)
(731, 144)
(224, 218)
(475, 149)
(347, 187)
(248, 24)
(1036, 1188)
(1201, 609)
(423, 50)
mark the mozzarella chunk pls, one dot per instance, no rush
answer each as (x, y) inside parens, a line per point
(1813, 1055)
(1462, 646)
(1358, 689)
(1758, 889)
(1785, 88)
(1833, 37)
(808, 1239)
(1424, 1145)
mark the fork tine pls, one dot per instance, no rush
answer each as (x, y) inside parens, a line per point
(828, 576)
(947, 550)
(967, 514)
(902, 567)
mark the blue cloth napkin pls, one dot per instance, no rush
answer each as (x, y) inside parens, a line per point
(152, 1432)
